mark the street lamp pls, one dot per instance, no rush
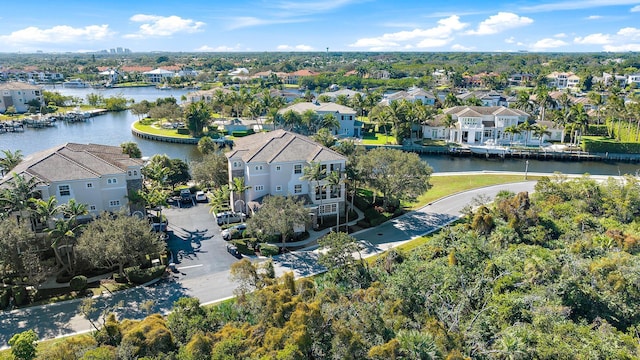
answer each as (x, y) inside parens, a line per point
(526, 169)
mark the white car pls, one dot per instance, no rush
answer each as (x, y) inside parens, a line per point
(227, 234)
(229, 217)
(201, 196)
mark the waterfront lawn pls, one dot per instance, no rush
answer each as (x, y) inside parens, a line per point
(447, 185)
(377, 139)
(155, 130)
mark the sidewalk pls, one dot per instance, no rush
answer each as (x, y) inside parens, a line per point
(51, 283)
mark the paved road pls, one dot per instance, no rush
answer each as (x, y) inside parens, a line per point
(203, 264)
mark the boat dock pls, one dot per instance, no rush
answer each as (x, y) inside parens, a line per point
(11, 126)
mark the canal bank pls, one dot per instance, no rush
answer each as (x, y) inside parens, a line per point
(162, 138)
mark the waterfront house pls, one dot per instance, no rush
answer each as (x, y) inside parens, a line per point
(348, 93)
(99, 176)
(294, 77)
(563, 80)
(18, 95)
(411, 95)
(475, 125)
(346, 116)
(272, 163)
(158, 76)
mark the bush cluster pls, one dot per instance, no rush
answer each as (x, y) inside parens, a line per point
(137, 275)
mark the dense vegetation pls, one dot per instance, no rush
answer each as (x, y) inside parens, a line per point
(553, 275)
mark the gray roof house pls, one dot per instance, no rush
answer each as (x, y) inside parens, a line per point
(349, 126)
(272, 163)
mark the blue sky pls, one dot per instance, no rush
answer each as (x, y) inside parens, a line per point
(314, 25)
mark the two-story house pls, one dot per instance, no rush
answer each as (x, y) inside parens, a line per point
(159, 75)
(272, 163)
(562, 80)
(346, 116)
(474, 125)
(99, 176)
(18, 95)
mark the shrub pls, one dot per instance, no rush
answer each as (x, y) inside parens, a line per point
(78, 283)
(242, 247)
(269, 249)
(20, 295)
(5, 294)
(241, 133)
(120, 279)
(149, 337)
(183, 131)
(140, 276)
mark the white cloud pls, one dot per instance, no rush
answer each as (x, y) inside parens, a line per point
(300, 47)
(500, 22)
(221, 48)
(594, 17)
(510, 40)
(622, 48)
(458, 47)
(629, 32)
(560, 35)
(635, 8)
(593, 39)
(436, 36)
(547, 43)
(250, 21)
(154, 25)
(57, 34)
(576, 5)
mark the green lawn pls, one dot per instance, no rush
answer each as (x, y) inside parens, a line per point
(152, 129)
(378, 139)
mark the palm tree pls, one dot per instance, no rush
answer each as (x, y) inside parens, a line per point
(9, 161)
(330, 122)
(540, 131)
(273, 117)
(543, 99)
(45, 210)
(73, 209)
(525, 128)
(334, 181)
(578, 120)
(238, 187)
(324, 137)
(64, 235)
(449, 122)
(316, 172)
(17, 197)
(197, 116)
(309, 119)
(597, 101)
(523, 101)
(511, 130)
(451, 100)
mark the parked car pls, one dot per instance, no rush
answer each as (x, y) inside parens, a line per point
(201, 196)
(233, 250)
(185, 196)
(227, 234)
(229, 217)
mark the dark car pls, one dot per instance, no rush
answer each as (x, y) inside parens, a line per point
(185, 196)
(233, 250)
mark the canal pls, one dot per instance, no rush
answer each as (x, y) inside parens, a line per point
(114, 129)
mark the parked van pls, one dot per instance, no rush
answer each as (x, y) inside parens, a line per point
(229, 217)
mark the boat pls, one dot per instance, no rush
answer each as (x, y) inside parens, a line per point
(489, 149)
(75, 84)
(164, 87)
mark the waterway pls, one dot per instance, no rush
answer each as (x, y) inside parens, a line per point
(115, 128)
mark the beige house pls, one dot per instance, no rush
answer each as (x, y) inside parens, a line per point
(272, 163)
(18, 95)
(99, 176)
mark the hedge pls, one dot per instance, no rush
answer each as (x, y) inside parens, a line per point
(20, 295)
(5, 294)
(140, 276)
(242, 246)
(183, 131)
(241, 133)
(269, 249)
(78, 283)
(595, 146)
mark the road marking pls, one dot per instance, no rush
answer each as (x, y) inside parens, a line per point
(188, 267)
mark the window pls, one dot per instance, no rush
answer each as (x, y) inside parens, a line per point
(258, 187)
(129, 172)
(320, 193)
(336, 191)
(89, 185)
(114, 203)
(297, 189)
(278, 168)
(278, 188)
(64, 190)
(112, 181)
(236, 164)
(297, 169)
(135, 172)
(328, 209)
(92, 208)
(258, 167)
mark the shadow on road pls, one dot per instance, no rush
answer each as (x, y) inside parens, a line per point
(184, 243)
(302, 263)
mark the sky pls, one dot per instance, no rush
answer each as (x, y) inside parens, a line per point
(318, 25)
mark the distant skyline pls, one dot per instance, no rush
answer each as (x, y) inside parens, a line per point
(315, 25)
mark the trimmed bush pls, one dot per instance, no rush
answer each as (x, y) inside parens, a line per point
(120, 279)
(183, 131)
(269, 249)
(241, 133)
(20, 295)
(140, 276)
(78, 283)
(242, 246)
(595, 146)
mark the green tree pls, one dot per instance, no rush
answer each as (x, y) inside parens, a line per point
(116, 103)
(315, 171)
(324, 137)
(187, 318)
(278, 215)
(197, 115)
(337, 250)
(130, 148)
(23, 345)
(211, 171)
(399, 176)
(206, 145)
(9, 160)
(116, 241)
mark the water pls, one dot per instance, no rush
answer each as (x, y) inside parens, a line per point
(115, 128)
